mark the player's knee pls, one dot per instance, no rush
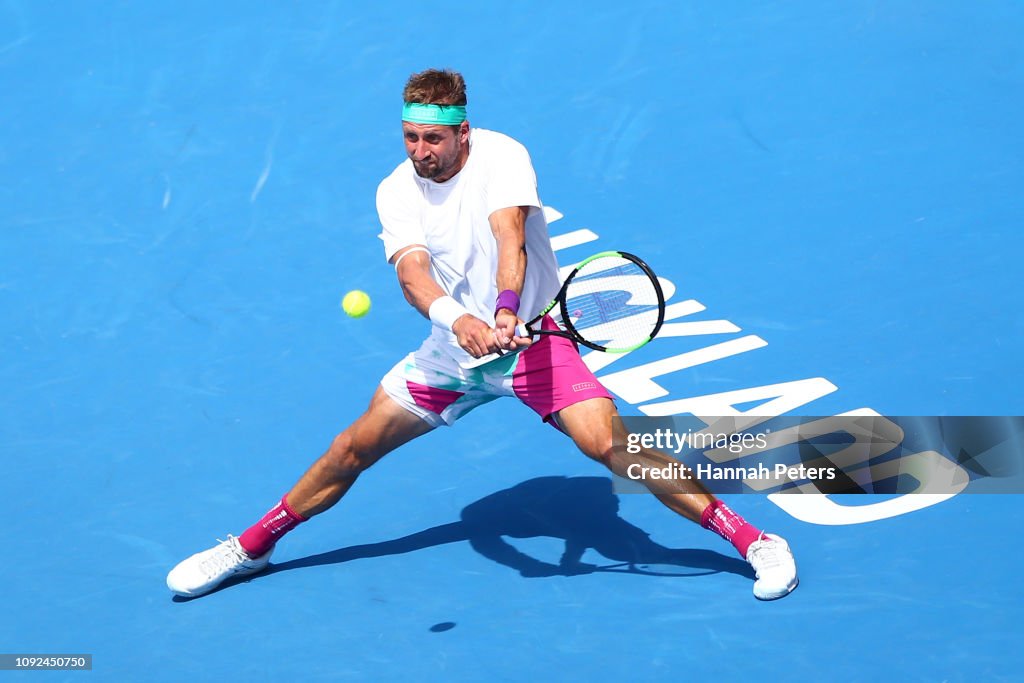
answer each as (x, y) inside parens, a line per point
(344, 457)
(597, 447)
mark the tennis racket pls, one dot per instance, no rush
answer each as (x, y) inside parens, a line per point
(611, 301)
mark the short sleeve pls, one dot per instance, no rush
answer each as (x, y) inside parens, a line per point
(512, 180)
(398, 219)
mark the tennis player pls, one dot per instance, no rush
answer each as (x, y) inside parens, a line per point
(463, 227)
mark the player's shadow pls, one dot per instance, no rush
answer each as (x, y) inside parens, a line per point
(581, 511)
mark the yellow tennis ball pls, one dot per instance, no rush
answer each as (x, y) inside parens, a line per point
(356, 303)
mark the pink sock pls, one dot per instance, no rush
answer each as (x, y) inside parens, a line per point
(261, 537)
(719, 518)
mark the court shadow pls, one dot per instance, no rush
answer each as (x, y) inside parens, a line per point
(583, 512)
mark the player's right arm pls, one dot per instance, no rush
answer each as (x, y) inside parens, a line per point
(412, 265)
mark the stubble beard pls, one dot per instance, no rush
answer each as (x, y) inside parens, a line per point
(427, 170)
(441, 167)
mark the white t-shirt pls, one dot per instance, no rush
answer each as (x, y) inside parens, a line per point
(451, 219)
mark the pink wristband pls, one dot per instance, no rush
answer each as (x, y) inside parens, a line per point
(507, 299)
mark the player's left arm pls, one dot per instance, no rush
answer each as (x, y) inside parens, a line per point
(508, 226)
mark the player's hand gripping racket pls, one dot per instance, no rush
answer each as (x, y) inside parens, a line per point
(612, 297)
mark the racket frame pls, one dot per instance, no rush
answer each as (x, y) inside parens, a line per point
(527, 330)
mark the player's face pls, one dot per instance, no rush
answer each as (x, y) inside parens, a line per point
(437, 152)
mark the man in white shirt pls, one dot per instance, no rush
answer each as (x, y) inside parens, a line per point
(464, 228)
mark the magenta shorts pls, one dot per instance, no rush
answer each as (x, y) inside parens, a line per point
(547, 376)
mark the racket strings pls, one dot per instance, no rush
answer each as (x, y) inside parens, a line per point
(614, 299)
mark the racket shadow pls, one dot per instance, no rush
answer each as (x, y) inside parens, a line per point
(582, 512)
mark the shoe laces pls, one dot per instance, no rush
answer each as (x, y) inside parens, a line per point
(765, 553)
(228, 555)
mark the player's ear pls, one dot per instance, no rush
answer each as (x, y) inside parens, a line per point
(464, 132)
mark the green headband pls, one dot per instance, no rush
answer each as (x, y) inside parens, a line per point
(438, 114)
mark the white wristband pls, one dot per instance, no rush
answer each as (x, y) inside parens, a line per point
(445, 311)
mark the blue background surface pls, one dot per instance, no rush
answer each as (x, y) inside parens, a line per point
(187, 193)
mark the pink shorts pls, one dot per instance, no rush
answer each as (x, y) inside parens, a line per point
(547, 376)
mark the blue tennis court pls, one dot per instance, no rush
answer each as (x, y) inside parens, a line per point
(833, 190)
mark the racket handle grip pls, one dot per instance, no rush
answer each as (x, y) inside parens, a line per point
(522, 331)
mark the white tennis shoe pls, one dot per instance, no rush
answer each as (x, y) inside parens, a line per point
(204, 571)
(774, 565)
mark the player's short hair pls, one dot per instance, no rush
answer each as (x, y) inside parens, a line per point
(436, 86)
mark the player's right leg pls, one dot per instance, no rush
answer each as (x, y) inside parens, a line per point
(426, 389)
(384, 426)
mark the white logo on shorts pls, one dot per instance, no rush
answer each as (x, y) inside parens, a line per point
(583, 386)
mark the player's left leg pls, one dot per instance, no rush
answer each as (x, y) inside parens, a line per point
(551, 378)
(590, 425)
